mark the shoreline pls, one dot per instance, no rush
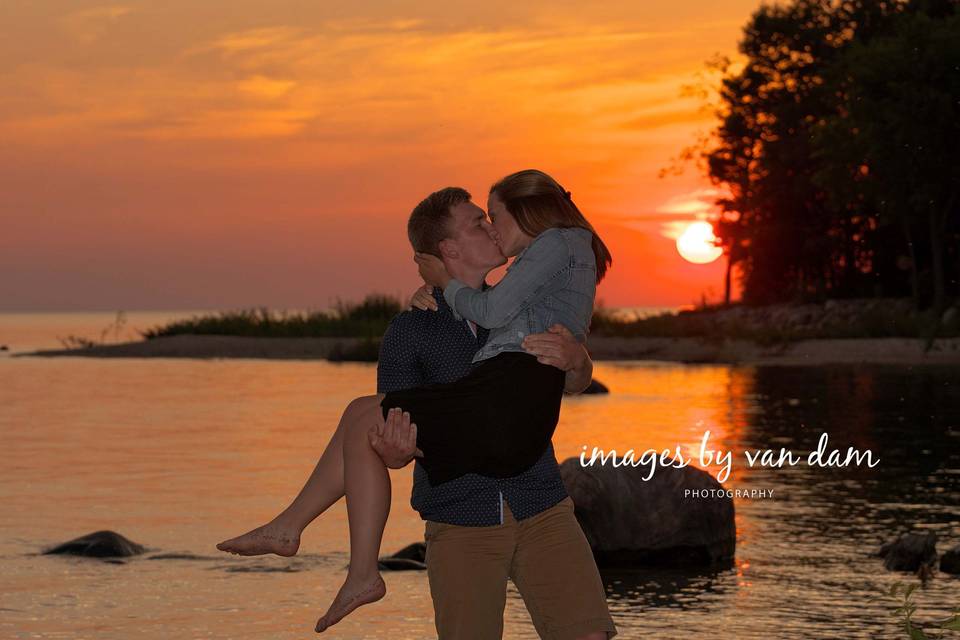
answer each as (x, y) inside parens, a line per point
(898, 351)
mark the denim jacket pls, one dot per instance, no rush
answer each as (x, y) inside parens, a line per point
(552, 281)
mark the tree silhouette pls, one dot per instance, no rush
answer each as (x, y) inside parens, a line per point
(896, 142)
(834, 146)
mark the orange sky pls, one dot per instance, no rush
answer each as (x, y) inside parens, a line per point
(189, 155)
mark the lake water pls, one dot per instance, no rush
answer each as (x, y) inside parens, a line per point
(180, 454)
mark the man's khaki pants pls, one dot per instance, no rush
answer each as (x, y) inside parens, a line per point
(548, 559)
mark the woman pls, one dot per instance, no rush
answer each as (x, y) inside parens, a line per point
(506, 408)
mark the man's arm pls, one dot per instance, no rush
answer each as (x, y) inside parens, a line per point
(398, 364)
(398, 367)
(581, 375)
(558, 347)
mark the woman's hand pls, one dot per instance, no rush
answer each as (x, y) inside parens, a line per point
(432, 269)
(423, 299)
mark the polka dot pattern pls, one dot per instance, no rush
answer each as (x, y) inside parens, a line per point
(426, 347)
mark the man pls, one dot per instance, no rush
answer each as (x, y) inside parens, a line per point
(480, 530)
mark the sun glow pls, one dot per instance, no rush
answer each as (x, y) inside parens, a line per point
(696, 243)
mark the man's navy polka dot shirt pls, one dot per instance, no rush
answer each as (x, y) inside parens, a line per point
(427, 347)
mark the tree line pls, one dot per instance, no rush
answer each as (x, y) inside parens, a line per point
(838, 151)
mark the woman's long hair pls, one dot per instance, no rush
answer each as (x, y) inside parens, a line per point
(538, 202)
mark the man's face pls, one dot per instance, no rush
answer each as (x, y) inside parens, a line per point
(470, 237)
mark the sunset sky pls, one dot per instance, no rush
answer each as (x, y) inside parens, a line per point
(202, 155)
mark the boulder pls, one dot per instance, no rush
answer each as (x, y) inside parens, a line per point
(99, 544)
(630, 522)
(950, 561)
(596, 387)
(910, 551)
(411, 557)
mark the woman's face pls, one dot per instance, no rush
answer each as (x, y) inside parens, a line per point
(506, 232)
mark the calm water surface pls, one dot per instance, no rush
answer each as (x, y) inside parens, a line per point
(179, 454)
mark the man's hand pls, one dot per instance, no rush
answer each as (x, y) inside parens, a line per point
(395, 441)
(556, 347)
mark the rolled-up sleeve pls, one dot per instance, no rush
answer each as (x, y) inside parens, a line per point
(536, 273)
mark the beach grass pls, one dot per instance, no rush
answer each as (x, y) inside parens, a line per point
(769, 325)
(784, 324)
(366, 319)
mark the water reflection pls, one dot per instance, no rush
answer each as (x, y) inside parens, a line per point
(804, 557)
(178, 454)
(635, 590)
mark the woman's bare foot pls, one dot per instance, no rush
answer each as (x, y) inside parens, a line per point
(270, 538)
(352, 595)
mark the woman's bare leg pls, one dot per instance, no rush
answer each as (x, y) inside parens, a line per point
(323, 488)
(367, 485)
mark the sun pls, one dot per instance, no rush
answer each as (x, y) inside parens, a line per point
(695, 244)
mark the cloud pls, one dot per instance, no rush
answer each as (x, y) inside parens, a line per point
(240, 117)
(671, 218)
(89, 25)
(376, 79)
(664, 117)
(249, 40)
(264, 87)
(699, 202)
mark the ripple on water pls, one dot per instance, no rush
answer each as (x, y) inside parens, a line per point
(186, 453)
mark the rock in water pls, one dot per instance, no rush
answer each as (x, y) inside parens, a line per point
(630, 522)
(412, 556)
(100, 544)
(950, 316)
(596, 387)
(910, 551)
(950, 561)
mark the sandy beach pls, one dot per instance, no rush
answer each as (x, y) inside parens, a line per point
(900, 351)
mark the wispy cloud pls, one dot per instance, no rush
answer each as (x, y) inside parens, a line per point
(699, 202)
(249, 40)
(679, 211)
(89, 25)
(337, 118)
(374, 79)
(264, 87)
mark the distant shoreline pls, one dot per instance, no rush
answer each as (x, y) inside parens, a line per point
(899, 351)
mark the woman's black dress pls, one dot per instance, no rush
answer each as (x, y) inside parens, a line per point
(496, 421)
